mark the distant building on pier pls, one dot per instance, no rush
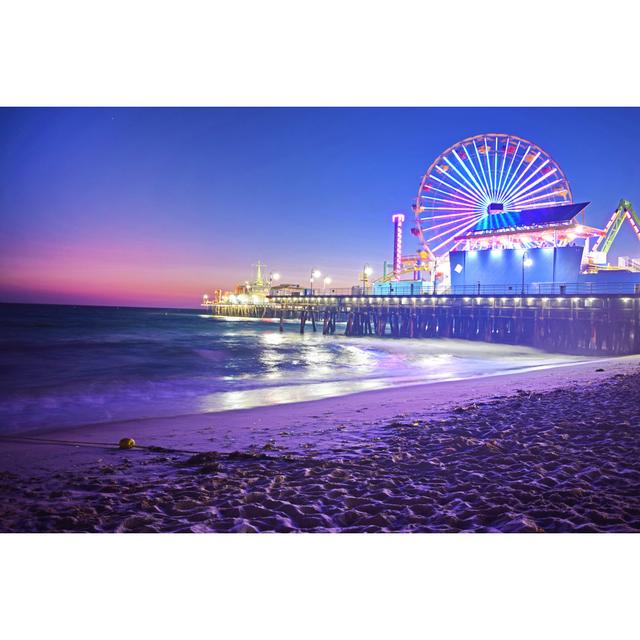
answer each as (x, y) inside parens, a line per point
(286, 289)
(630, 264)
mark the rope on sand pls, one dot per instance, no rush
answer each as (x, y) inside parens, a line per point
(83, 443)
(196, 455)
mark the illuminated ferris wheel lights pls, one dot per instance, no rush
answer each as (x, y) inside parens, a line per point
(460, 210)
(464, 166)
(486, 157)
(515, 184)
(468, 186)
(475, 183)
(468, 191)
(461, 158)
(458, 228)
(522, 200)
(481, 176)
(484, 177)
(515, 173)
(446, 224)
(445, 201)
(466, 202)
(446, 215)
(532, 203)
(445, 242)
(520, 188)
(526, 193)
(447, 193)
(531, 176)
(449, 186)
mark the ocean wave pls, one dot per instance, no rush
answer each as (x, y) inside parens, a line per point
(94, 364)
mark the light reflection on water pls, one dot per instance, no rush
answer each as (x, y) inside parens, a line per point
(283, 395)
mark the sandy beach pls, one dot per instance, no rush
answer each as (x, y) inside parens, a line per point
(550, 450)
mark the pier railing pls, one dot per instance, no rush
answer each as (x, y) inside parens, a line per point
(427, 289)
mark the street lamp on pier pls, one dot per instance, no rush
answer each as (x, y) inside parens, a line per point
(325, 282)
(366, 272)
(273, 277)
(315, 274)
(526, 262)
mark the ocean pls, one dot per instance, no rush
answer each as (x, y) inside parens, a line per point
(65, 366)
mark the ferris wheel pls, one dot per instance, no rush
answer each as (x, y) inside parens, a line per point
(481, 176)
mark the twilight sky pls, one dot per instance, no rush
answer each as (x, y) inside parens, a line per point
(158, 206)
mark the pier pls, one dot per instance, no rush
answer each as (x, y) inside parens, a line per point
(602, 324)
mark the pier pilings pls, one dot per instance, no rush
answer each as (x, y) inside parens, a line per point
(603, 324)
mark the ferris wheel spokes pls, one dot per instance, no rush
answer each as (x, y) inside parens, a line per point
(464, 166)
(467, 188)
(458, 231)
(513, 157)
(487, 153)
(446, 184)
(461, 188)
(522, 195)
(530, 164)
(484, 177)
(476, 188)
(526, 204)
(447, 224)
(515, 173)
(504, 160)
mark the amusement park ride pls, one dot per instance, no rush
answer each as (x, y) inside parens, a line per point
(498, 192)
(624, 212)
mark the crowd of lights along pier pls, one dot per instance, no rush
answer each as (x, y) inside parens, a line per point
(480, 177)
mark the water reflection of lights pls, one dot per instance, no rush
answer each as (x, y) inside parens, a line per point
(224, 401)
(316, 355)
(271, 359)
(323, 369)
(271, 339)
(438, 360)
(359, 357)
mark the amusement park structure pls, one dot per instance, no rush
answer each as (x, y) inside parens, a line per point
(477, 184)
(500, 193)
(492, 210)
(602, 245)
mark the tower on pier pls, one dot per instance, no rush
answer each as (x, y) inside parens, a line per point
(397, 219)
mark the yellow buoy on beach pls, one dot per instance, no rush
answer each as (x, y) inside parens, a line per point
(127, 443)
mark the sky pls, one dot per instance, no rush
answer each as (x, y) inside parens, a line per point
(154, 207)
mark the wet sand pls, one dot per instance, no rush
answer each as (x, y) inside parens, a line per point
(547, 451)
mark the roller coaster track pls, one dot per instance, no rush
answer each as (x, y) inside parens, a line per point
(624, 212)
(391, 276)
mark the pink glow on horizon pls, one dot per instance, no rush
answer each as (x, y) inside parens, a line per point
(104, 272)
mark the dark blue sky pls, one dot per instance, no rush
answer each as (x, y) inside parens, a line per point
(156, 206)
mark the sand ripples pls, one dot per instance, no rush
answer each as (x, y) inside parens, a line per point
(567, 460)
